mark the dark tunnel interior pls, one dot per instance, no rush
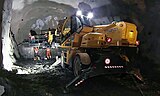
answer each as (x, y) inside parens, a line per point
(21, 75)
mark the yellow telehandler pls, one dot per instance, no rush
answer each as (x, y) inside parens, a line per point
(94, 50)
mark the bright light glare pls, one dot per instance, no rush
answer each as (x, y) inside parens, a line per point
(90, 15)
(79, 13)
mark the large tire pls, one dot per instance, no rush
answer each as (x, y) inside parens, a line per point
(77, 66)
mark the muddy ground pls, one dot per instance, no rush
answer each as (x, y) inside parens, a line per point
(51, 83)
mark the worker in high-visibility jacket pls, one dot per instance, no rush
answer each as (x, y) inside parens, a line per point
(48, 53)
(50, 38)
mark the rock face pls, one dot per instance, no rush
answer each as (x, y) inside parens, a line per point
(150, 34)
(1, 9)
(145, 13)
(9, 48)
(1, 90)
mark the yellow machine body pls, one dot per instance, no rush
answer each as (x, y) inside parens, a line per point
(121, 34)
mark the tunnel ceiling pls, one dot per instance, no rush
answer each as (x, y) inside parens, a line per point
(42, 14)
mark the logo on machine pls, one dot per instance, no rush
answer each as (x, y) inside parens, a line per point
(107, 61)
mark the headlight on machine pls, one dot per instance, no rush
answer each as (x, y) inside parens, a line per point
(79, 13)
(90, 15)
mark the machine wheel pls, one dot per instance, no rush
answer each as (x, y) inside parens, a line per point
(78, 66)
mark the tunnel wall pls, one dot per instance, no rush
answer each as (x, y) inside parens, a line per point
(1, 9)
(9, 49)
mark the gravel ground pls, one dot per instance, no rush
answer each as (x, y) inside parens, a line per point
(52, 82)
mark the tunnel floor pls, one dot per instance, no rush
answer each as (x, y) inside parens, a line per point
(52, 82)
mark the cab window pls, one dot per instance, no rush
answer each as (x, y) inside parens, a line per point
(76, 24)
